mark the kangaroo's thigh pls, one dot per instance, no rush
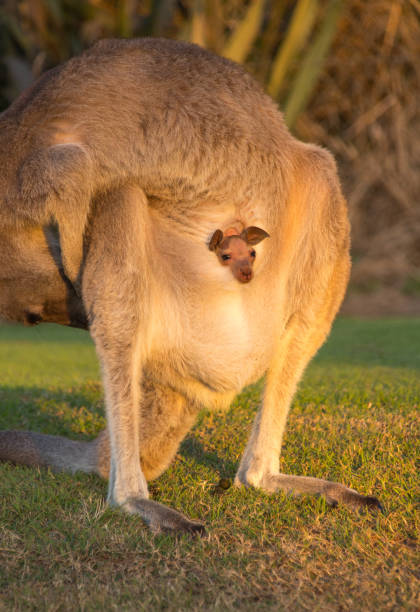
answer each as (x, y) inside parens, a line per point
(166, 419)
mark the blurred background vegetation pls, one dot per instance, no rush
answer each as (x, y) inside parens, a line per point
(345, 73)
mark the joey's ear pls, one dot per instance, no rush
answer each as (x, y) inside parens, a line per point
(253, 235)
(216, 239)
(55, 186)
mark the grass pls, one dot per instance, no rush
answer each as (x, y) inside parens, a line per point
(355, 419)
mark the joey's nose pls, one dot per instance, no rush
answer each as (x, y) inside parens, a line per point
(245, 275)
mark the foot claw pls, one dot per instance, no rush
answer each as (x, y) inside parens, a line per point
(196, 529)
(337, 494)
(365, 502)
(373, 503)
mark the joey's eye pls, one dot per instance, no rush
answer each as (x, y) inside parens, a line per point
(225, 257)
(253, 253)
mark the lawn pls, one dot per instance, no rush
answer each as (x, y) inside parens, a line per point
(355, 419)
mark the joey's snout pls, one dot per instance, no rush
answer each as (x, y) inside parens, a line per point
(243, 273)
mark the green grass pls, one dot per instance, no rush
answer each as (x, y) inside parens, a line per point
(355, 419)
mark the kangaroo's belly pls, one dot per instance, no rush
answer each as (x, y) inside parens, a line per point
(227, 341)
(232, 345)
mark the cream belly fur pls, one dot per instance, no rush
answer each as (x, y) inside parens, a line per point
(232, 347)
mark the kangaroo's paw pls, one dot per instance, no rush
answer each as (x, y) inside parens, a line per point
(333, 492)
(336, 494)
(160, 518)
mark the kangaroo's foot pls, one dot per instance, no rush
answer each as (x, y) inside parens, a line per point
(333, 492)
(160, 518)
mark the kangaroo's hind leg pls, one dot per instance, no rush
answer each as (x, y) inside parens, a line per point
(166, 418)
(118, 294)
(260, 463)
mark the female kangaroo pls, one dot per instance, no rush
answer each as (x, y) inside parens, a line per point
(118, 167)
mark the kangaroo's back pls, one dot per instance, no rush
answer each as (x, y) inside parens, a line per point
(189, 124)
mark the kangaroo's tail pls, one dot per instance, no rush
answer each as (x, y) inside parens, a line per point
(55, 452)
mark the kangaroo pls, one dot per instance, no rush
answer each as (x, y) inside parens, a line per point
(116, 168)
(234, 250)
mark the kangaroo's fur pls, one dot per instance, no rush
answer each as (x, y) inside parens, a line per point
(116, 169)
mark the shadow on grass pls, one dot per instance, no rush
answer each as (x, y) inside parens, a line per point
(79, 414)
(76, 413)
(192, 448)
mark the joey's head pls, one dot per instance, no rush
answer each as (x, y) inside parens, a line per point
(237, 250)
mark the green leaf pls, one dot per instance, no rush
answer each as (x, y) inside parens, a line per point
(240, 42)
(311, 67)
(296, 37)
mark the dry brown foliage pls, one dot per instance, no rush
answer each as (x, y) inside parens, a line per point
(366, 110)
